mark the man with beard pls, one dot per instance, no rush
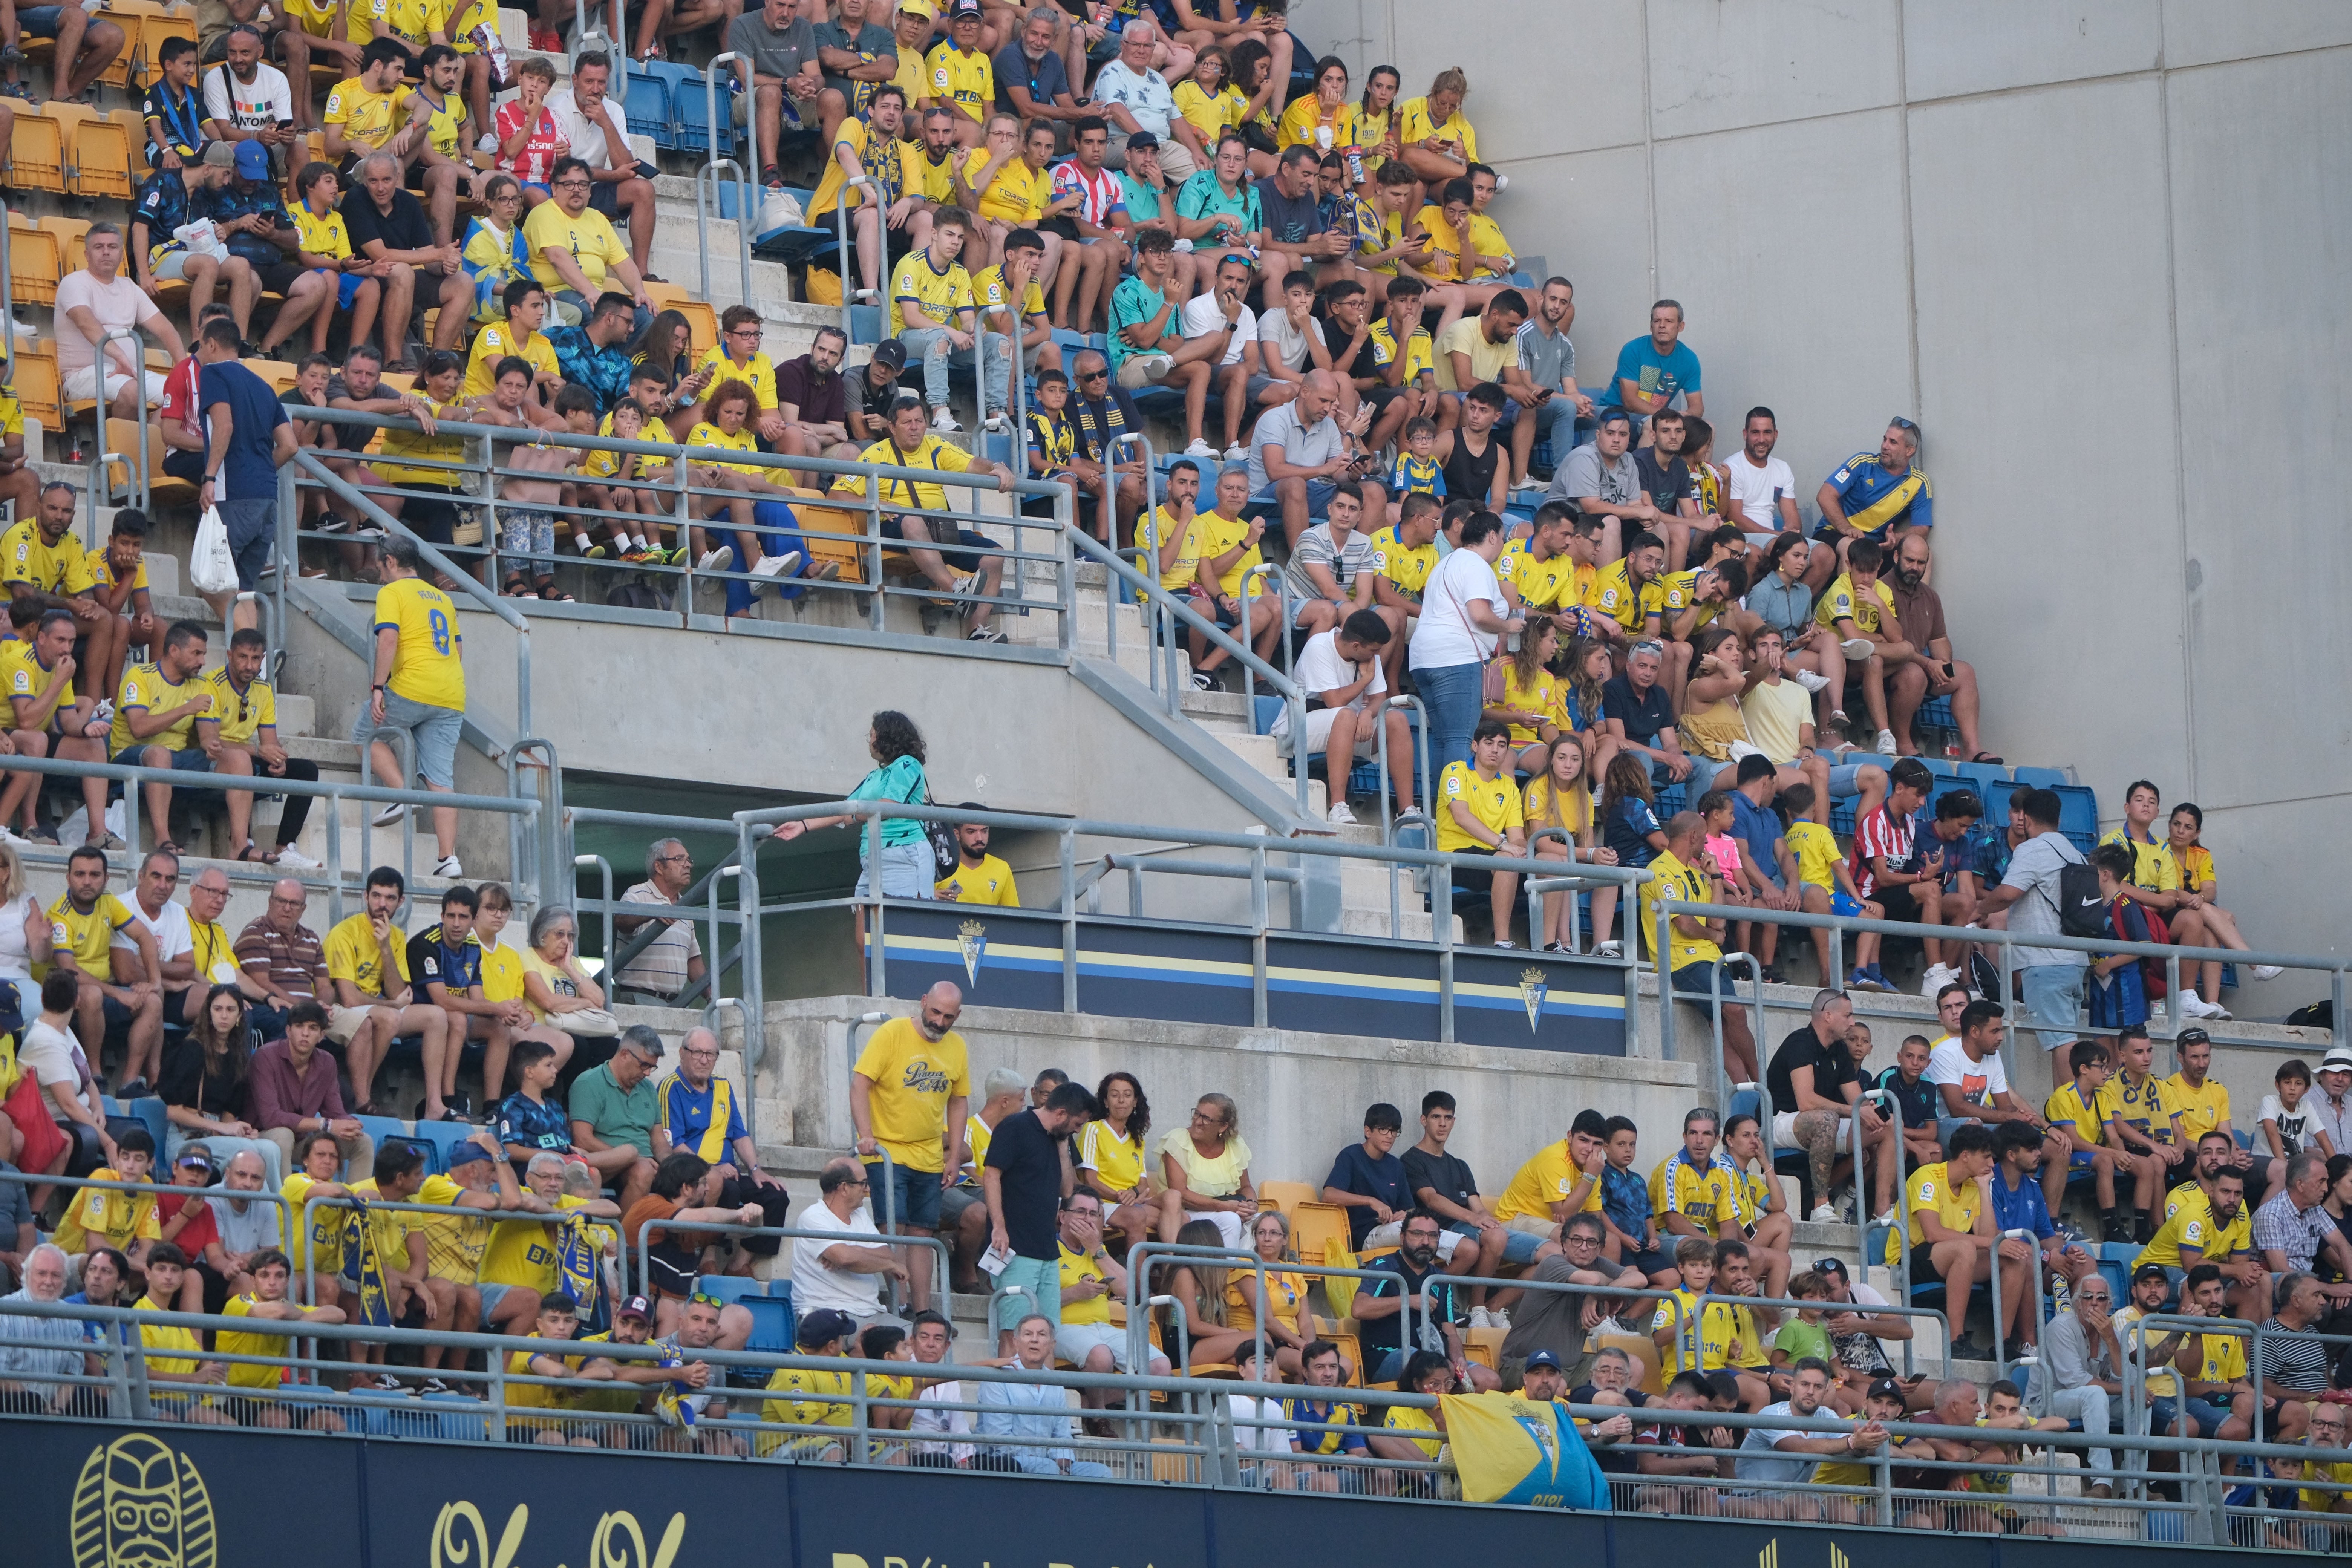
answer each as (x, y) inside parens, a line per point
(1421, 1292)
(1935, 673)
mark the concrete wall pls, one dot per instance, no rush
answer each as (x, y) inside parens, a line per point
(2094, 247)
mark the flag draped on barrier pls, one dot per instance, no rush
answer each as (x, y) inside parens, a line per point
(1508, 1449)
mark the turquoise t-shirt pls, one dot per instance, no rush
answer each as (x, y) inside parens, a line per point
(1134, 301)
(900, 779)
(1142, 200)
(1204, 197)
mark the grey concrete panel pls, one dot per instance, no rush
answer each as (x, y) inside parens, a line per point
(2259, 241)
(2047, 402)
(1793, 284)
(1956, 47)
(2197, 32)
(1545, 76)
(1715, 66)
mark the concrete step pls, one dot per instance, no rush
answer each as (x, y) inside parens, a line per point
(1259, 752)
(1219, 712)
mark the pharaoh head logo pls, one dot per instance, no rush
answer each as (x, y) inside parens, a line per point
(139, 1504)
(971, 939)
(1532, 991)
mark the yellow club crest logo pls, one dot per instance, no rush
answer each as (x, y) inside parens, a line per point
(1533, 988)
(138, 1503)
(461, 1539)
(972, 941)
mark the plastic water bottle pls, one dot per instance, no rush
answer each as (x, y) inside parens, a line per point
(1355, 167)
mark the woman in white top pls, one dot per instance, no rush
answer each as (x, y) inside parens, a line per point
(53, 1059)
(1206, 1167)
(23, 930)
(1462, 616)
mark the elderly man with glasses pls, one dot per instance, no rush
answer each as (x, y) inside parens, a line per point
(40, 1353)
(2085, 1366)
(672, 960)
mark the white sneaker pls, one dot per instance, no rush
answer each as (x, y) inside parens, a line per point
(1479, 1318)
(1529, 483)
(1824, 1214)
(966, 585)
(1339, 816)
(489, 143)
(1858, 647)
(1887, 1219)
(2266, 971)
(1938, 975)
(782, 566)
(1610, 1325)
(944, 422)
(389, 816)
(105, 709)
(1887, 742)
(1812, 680)
(2195, 1006)
(448, 868)
(1237, 453)
(293, 860)
(1498, 1317)
(1506, 945)
(1609, 949)
(1200, 449)
(717, 560)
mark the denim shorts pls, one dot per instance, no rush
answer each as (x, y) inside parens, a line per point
(40, 21)
(1519, 1246)
(908, 872)
(1704, 978)
(435, 731)
(2053, 996)
(913, 1199)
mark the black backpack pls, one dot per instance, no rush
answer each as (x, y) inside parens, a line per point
(2081, 908)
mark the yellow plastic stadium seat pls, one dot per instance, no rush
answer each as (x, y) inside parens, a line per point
(70, 232)
(134, 126)
(1284, 1196)
(98, 153)
(1483, 1346)
(37, 154)
(701, 321)
(155, 26)
(1644, 1352)
(276, 371)
(35, 260)
(122, 436)
(821, 527)
(1315, 1228)
(34, 374)
(1181, 1466)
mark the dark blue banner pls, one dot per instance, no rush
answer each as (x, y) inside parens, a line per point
(1204, 975)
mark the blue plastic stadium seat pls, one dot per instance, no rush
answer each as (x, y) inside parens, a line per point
(148, 1112)
(444, 1138)
(648, 107)
(774, 1323)
(1939, 766)
(866, 324)
(2078, 816)
(1263, 708)
(1935, 713)
(2040, 778)
(1744, 1102)
(454, 1425)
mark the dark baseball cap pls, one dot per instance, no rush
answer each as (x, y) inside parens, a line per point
(1543, 1358)
(466, 1154)
(1887, 1388)
(2149, 1271)
(891, 352)
(823, 1326)
(634, 1307)
(1141, 140)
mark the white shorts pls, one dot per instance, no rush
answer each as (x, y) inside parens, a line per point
(343, 1023)
(1076, 1342)
(1318, 735)
(81, 385)
(1228, 1224)
(1784, 1129)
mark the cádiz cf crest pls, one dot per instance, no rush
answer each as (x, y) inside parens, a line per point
(972, 941)
(141, 1504)
(1532, 991)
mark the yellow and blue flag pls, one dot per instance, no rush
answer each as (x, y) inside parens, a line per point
(1524, 1451)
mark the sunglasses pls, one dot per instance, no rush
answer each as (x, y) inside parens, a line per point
(702, 1299)
(1899, 423)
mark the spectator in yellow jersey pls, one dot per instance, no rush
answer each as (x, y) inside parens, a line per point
(118, 576)
(48, 721)
(1436, 143)
(420, 688)
(240, 735)
(1481, 814)
(518, 336)
(910, 1090)
(41, 561)
(736, 356)
(267, 1302)
(576, 252)
(1085, 1335)
(84, 924)
(372, 1004)
(975, 576)
(1694, 951)
(155, 716)
(176, 1356)
(978, 878)
(1951, 1233)
(962, 80)
(555, 1319)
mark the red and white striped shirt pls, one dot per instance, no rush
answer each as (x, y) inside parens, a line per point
(1099, 195)
(1881, 833)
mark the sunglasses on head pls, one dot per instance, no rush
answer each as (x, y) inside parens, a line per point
(1899, 423)
(703, 1299)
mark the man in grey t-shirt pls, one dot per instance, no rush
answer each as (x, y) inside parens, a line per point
(1550, 359)
(2052, 977)
(1600, 480)
(780, 45)
(1326, 576)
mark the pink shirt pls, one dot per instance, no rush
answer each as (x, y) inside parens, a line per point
(1726, 852)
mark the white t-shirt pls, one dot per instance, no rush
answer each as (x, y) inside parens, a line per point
(1978, 1081)
(1278, 340)
(1758, 489)
(1320, 669)
(15, 958)
(1203, 315)
(173, 938)
(814, 1285)
(117, 305)
(51, 1055)
(2295, 1129)
(264, 102)
(1445, 636)
(586, 135)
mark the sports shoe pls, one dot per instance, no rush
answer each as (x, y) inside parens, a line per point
(1938, 975)
(1203, 681)
(1861, 980)
(1481, 1318)
(2266, 971)
(448, 867)
(1200, 449)
(489, 143)
(966, 585)
(1339, 816)
(595, 552)
(944, 422)
(1237, 453)
(2195, 1006)
(1503, 942)
(1498, 1317)
(987, 634)
(1824, 1214)
(1610, 1325)
(782, 566)
(291, 858)
(1812, 680)
(389, 816)
(1529, 483)
(1858, 647)
(105, 709)
(1887, 742)
(1609, 949)
(717, 560)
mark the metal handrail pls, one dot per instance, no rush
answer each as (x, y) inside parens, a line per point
(715, 163)
(140, 487)
(851, 293)
(787, 1233)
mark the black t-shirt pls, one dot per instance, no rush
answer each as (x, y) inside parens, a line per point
(1030, 1162)
(1644, 716)
(1667, 482)
(1832, 1067)
(1920, 1104)
(188, 1082)
(405, 228)
(1289, 220)
(1448, 1174)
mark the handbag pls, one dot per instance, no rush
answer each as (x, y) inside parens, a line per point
(211, 568)
(945, 856)
(591, 1022)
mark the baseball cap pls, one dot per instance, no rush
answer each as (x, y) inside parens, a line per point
(634, 1307)
(1140, 140)
(1886, 1388)
(2337, 1061)
(891, 353)
(825, 1325)
(221, 154)
(919, 7)
(466, 1154)
(196, 1157)
(252, 160)
(960, 9)
(2148, 1271)
(1543, 1358)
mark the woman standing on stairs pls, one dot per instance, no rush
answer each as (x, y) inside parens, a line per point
(895, 859)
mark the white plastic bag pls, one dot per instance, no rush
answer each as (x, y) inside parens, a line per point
(211, 568)
(202, 237)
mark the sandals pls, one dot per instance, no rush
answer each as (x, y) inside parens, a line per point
(518, 587)
(1988, 759)
(251, 851)
(165, 847)
(552, 593)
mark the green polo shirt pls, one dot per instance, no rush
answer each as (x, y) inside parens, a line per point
(614, 1114)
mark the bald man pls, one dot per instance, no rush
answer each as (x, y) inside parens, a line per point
(1302, 453)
